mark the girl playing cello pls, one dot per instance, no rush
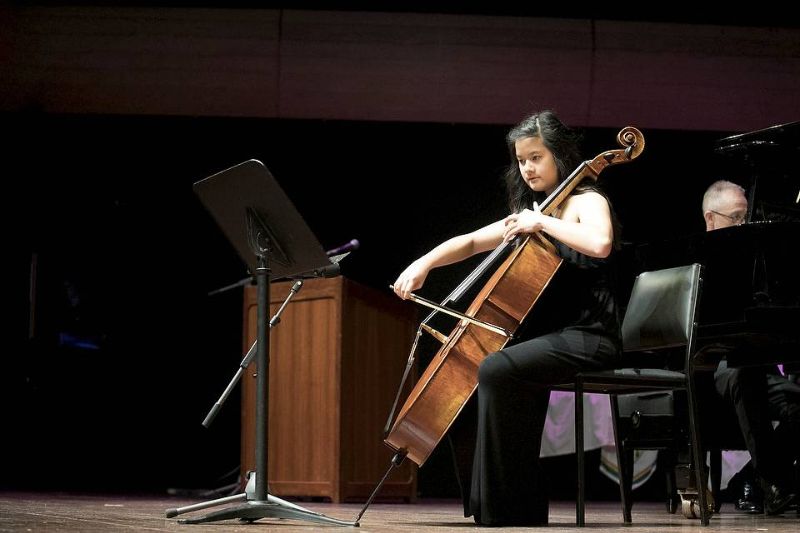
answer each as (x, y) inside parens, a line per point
(506, 485)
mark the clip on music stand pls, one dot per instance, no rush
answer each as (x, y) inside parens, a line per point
(273, 239)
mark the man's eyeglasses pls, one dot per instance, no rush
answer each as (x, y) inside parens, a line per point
(735, 219)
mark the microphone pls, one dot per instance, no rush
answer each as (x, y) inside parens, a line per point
(328, 271)
(352, 245)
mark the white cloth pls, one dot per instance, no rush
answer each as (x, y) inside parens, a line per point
(559, 427)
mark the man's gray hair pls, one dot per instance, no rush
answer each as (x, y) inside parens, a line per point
(715, 191)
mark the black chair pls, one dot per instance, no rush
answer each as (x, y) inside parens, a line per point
(660, 317)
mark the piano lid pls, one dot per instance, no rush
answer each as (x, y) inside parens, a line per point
(783, 137)
(764, 162)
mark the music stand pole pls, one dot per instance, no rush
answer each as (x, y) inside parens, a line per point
(262, 382)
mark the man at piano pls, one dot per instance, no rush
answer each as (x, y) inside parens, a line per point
(757, 394)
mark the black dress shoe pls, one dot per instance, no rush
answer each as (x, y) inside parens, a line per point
(750, 499)
(777, 499)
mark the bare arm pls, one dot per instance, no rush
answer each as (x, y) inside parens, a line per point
(451, 251)
(585, 224)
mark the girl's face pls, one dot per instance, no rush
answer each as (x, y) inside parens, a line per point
(536, 164)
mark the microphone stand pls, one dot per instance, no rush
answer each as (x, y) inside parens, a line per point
(325, 272)
(240, 283)
(249, 357)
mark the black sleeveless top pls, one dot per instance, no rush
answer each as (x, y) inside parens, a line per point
(581, 295)
(587, 289)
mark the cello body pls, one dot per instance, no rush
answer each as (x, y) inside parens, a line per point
(452, 376)
(504, 301)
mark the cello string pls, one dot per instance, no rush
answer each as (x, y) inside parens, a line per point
(489, 261)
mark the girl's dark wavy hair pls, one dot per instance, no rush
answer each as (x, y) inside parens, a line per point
(559, 139)
(563, 143)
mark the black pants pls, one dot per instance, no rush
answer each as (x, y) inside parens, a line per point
(783, 398)
(758, 398)
(505, 485)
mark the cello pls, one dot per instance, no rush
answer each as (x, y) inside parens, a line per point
(487, 325)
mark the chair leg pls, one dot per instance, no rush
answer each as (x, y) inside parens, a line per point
(697, 455)
(666, 458)
(625, 469)
(579, 508)
(626, 478)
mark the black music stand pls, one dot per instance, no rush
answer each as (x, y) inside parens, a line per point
(273, 239)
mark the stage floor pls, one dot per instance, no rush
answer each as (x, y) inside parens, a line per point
(95, 513)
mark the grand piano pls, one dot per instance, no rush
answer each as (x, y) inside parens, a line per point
(751, 284)
(750, 297)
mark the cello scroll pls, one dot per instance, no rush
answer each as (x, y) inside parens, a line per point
(632, 141)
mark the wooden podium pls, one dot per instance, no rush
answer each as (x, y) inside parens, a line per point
(336, 360)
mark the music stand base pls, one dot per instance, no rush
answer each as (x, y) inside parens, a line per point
(252, 511)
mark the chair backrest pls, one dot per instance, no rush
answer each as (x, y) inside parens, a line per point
(662, 308)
